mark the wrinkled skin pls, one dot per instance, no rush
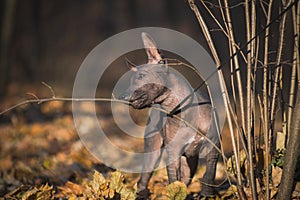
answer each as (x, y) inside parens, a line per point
(153, 84)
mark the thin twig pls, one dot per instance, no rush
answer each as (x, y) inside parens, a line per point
(215, 19)
(296, 62)
(277, 70)
(236, 64)
(195, 129)
(220, 6)
(33, 95)
(248, 117)
(50, 88)
(233, 66)
(235, 70)
(177, 62)
(43, 100)
(265, 100)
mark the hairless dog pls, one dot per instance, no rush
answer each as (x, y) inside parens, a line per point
(155, 84)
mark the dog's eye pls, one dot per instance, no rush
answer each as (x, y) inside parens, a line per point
(140, 76)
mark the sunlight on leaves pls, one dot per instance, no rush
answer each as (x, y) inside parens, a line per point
(107, 188)
(70, 189)
(43, 192)
(231, 193)
(117, 185)
(231, 165)
(177, 190)
(116, 181)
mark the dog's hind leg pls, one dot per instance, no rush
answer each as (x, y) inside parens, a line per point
(208, 180)
(188, 168)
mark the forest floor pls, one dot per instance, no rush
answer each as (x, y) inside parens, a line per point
(42, 157)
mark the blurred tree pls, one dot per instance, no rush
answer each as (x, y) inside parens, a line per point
(6, 33)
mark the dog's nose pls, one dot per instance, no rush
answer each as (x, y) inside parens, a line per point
(124, 96)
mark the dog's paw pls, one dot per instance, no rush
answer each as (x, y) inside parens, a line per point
(208, 194)
(143, 194)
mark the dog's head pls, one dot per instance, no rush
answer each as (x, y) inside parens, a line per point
(148, 84)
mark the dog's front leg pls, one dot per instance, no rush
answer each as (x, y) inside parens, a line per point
(174, 137)
(152, 156)
(173, 163)
(153, 142)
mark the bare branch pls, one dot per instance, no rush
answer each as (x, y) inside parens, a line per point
(33, 95)
(43, 100)
(50, 88)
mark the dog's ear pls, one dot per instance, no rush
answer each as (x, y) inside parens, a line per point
(151, 49)
(130, 65)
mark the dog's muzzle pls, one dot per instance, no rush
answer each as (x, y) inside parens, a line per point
(137, 99)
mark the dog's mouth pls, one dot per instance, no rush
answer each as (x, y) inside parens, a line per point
(140, 100)
(143, 97)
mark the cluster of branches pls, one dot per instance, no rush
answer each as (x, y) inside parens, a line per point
(256, 92)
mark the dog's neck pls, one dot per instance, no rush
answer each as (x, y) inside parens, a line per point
(173, 95)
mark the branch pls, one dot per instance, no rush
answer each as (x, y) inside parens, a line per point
(43, 100)
(250, 26)
(70, 99)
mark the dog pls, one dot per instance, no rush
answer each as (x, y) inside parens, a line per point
(154, 84)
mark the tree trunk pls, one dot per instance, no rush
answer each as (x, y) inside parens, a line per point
(292, 153)
(7, 26)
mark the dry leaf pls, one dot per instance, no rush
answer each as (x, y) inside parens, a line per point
(70, 189)
(177, 190)
(231, 193)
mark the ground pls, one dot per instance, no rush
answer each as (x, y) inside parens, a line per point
(42, 157)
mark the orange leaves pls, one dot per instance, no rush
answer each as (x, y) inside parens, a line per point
(27, 193)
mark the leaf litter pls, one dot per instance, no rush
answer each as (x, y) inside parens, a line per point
(44, 159)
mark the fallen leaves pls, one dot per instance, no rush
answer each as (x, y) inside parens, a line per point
(177, 191)
(28, 193)
(99, 187)
(70, 189)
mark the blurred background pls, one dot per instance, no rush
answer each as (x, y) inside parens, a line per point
(48, 40)
(44, 40)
